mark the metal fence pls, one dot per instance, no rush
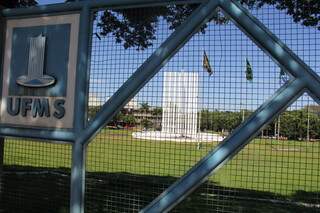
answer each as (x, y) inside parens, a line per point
(199, 97)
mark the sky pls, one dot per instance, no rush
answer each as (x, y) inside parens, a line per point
(227, 48)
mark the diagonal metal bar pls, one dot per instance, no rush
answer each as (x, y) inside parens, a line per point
(148, 69)
(272, 45)
(227, 149)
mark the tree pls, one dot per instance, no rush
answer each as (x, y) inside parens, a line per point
(205, 120)
(157, 111)
(305, 12)
(92, 110)
(137, 27)
(146, 123)
(219, 121)
(129, 120)
(294, 123)
(144, 107)
(17, 3)
(117, 119)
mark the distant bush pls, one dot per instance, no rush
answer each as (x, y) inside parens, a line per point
(293, 124)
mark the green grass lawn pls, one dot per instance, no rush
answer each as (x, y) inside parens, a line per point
(281, 167)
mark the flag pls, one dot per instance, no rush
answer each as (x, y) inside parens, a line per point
(249, 74)
(206, 63)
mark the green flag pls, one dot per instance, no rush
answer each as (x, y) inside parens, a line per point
(206, 63)
(249, 74)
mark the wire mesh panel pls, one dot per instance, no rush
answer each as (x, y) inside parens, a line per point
(117, 164)
(36, 177)
(200, 96)
(277, 171)
(216, 81)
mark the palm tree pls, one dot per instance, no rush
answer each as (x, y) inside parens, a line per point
(144, 107)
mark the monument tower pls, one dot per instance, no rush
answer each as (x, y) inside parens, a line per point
(180, 103)
(180, 111)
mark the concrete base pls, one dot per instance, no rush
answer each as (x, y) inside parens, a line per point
(164, 136)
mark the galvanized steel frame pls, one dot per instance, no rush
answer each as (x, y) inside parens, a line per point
(303, 80)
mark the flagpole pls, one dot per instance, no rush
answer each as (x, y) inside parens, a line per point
(242, 111)
(278, 120)
(241, 103)
(308, 123)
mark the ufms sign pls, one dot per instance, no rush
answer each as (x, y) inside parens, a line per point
(38, 87)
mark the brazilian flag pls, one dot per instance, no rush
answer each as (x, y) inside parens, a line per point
(206, 63)
(249, 73)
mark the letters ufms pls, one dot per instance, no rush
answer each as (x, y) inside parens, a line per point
(38, 107)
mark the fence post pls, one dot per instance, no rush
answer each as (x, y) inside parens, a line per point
(77, 193)
(77, 178)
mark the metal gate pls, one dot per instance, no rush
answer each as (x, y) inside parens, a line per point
(301, 79)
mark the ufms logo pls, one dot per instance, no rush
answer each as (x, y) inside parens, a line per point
(39, 72)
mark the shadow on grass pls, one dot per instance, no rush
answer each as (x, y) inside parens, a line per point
(35, 190)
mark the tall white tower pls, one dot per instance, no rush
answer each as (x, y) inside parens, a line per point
(180, 109)
(180, 103)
